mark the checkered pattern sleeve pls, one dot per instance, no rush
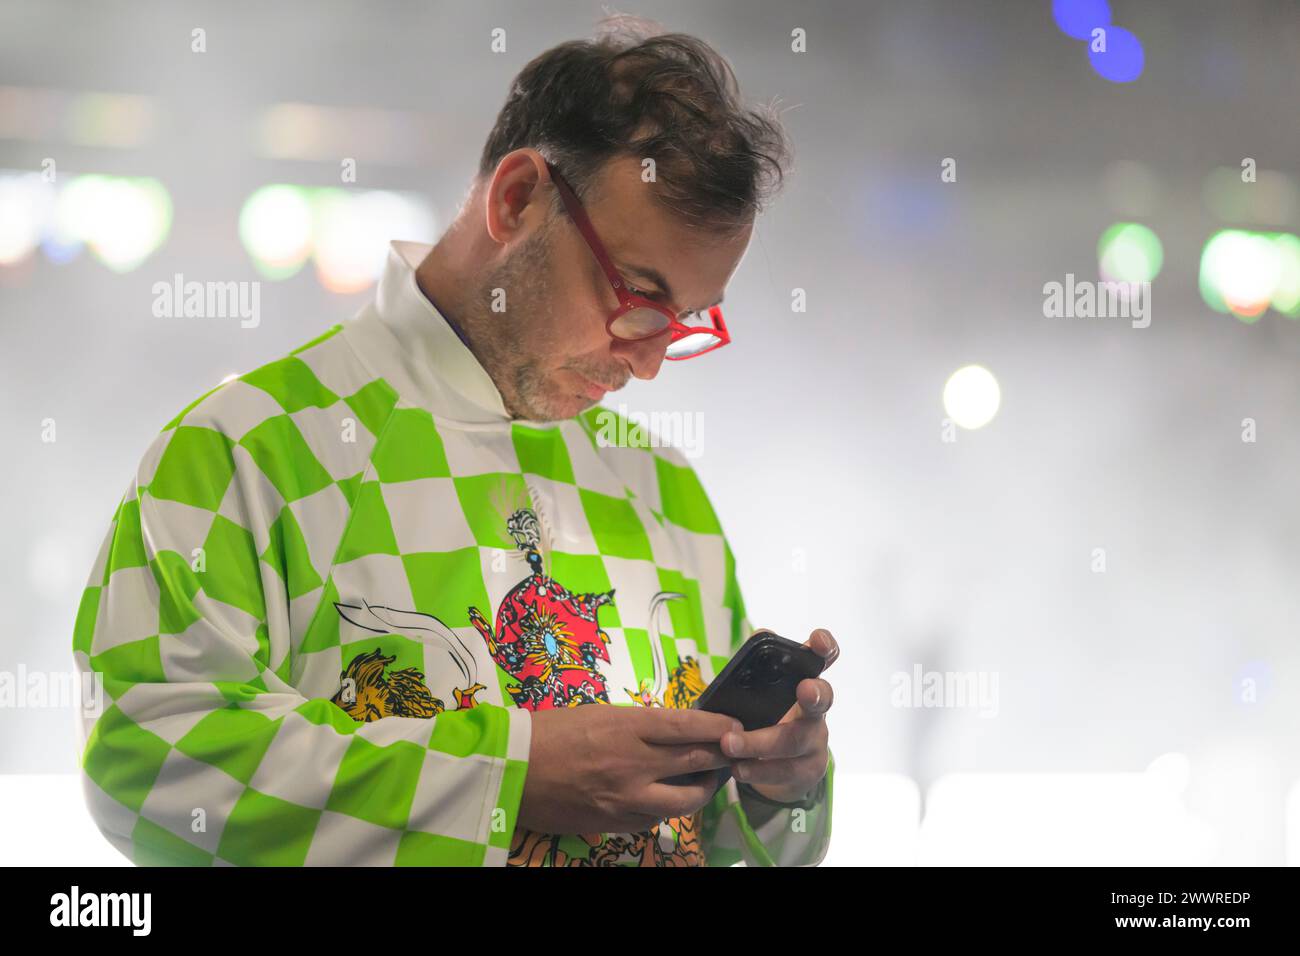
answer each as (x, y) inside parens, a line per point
(740, 825)
(202, 751)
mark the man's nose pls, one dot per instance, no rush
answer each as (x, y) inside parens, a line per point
(646, 356)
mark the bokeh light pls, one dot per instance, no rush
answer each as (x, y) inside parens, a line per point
(971, 396)
(1286, 294)
(1272, 199)
(122, 220)
(1129, 252)
(351, 232)
(275, 228)
(1122, 60)
(1244, 272)
(1078, 18)
(25, 200)
(345, 233)
(116, 120)
(60, 241)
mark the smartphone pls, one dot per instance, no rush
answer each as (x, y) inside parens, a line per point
(757, 687)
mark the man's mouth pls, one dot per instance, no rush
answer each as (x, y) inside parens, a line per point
(594, 389)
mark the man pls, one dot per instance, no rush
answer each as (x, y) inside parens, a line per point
(355, 602)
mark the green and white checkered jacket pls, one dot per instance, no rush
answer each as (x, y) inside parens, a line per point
(338, 586)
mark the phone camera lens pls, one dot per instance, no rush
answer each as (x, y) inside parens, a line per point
(767, 668)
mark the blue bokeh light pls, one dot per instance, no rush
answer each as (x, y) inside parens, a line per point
(1123, 60)
(1078, 18)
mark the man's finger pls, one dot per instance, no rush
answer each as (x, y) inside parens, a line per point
(778, 771)
(665, 800)
(791, 739)
(678, 725)
(821, 641)
(814, 696)
(665, 760)
(824, 643)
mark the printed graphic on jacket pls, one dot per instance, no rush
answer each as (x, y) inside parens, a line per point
(368, 691)
(546, 637)
(548, 640)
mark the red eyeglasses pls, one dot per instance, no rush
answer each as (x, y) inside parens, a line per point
(637, 317)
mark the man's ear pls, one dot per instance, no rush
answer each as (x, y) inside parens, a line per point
(517, 196)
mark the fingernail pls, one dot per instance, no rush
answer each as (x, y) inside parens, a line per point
(734, 746)
(740, 772)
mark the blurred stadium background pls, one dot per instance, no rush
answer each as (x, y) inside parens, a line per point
(1145, 713)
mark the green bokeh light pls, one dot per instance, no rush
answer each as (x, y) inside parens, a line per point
(1286, 296)
(1129, 252)
(275, 228)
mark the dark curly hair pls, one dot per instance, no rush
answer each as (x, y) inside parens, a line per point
(635, 91)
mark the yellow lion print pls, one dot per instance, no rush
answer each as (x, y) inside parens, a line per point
(684, 685)
(366, 693)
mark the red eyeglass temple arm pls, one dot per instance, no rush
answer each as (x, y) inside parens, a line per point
(579, 216)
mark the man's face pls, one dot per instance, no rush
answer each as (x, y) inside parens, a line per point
(551, 356)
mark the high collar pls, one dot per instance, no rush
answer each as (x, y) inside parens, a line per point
(404, 337)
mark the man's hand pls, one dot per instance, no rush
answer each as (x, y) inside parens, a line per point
(605, 768)
(786, 761)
